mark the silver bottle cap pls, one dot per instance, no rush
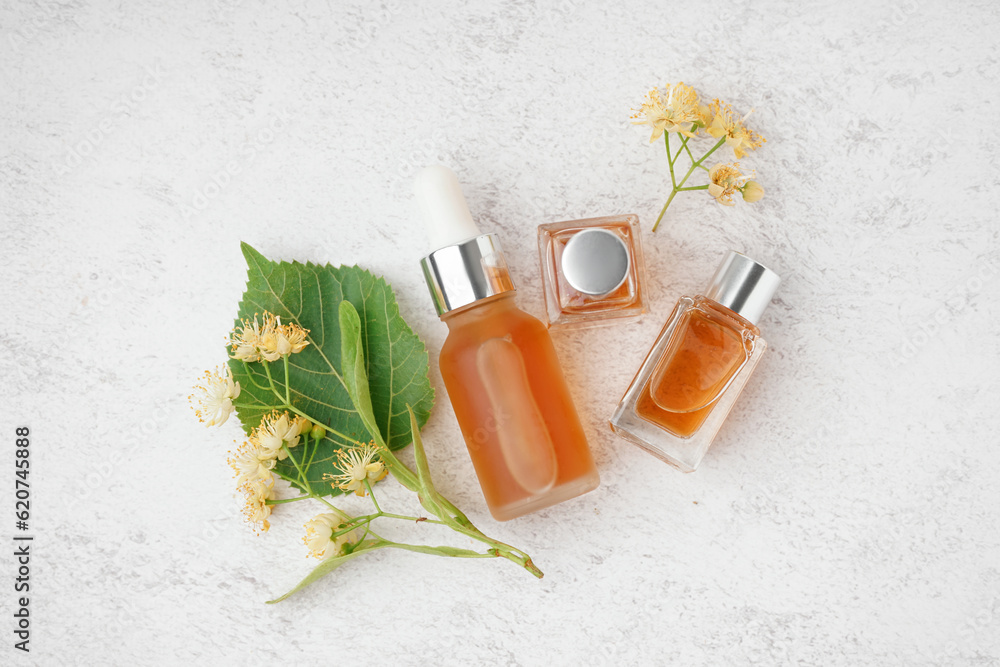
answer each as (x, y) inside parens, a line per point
(462, 273)
(595, 261)
(743, 286)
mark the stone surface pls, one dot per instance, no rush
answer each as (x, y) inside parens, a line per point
(849, 512)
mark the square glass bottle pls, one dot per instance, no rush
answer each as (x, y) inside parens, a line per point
(698, 365)
(592, 270)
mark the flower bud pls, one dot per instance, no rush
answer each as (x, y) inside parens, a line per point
(752, 191)
(318, 432)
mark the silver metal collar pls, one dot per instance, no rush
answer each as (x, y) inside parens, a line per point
(460, 274)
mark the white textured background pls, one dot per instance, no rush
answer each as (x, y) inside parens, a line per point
(849, 512)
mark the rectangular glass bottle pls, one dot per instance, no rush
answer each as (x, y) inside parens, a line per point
(698, 365)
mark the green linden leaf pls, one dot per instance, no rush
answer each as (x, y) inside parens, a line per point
(395, 359)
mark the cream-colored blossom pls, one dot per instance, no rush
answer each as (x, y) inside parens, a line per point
(358, 465)
(726, 180)
(282, 339)
(275, 430)
(674, 110)
(292, 339)
(738, 136)
(213, 400)
(319, 536)
(247, 338)
(269, 339)
(253, 340)
(256, 493)
(251, 462)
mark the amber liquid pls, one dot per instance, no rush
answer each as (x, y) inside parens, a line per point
(708, 347)
(514, 409)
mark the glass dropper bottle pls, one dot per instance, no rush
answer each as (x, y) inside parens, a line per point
(499, 365)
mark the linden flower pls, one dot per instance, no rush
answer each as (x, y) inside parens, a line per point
(726, 180)
(292, 339)
(319, 537)
(215, 398)
(738, 137)
(676, 111)
(251, 462)
(282, 340)
(358, 465)
(256, 493)
(247, 338)
(276, 430)
(252, 341)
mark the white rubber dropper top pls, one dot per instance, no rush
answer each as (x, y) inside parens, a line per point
(443, 207)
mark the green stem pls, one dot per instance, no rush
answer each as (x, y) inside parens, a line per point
(448, 552)
(679, 187)
(359, 521)
(701, 159)
(312, 455)
(684, 145)
(251, 375)
(673, 180)
(354, 524)
(288, 397)
(257, 406)
(663, 210)
(270, 380)
(282, 501)
(302, 475)
(347, 439)
(372, 495)
(693, 187)
(416, 519)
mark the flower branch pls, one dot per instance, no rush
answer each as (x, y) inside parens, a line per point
(677, 110)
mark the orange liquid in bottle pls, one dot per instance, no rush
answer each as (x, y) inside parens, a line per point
(514, 408)
(709, 347)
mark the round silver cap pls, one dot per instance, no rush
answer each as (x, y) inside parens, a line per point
(595, 261)
(743, 286)
(463, 273)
